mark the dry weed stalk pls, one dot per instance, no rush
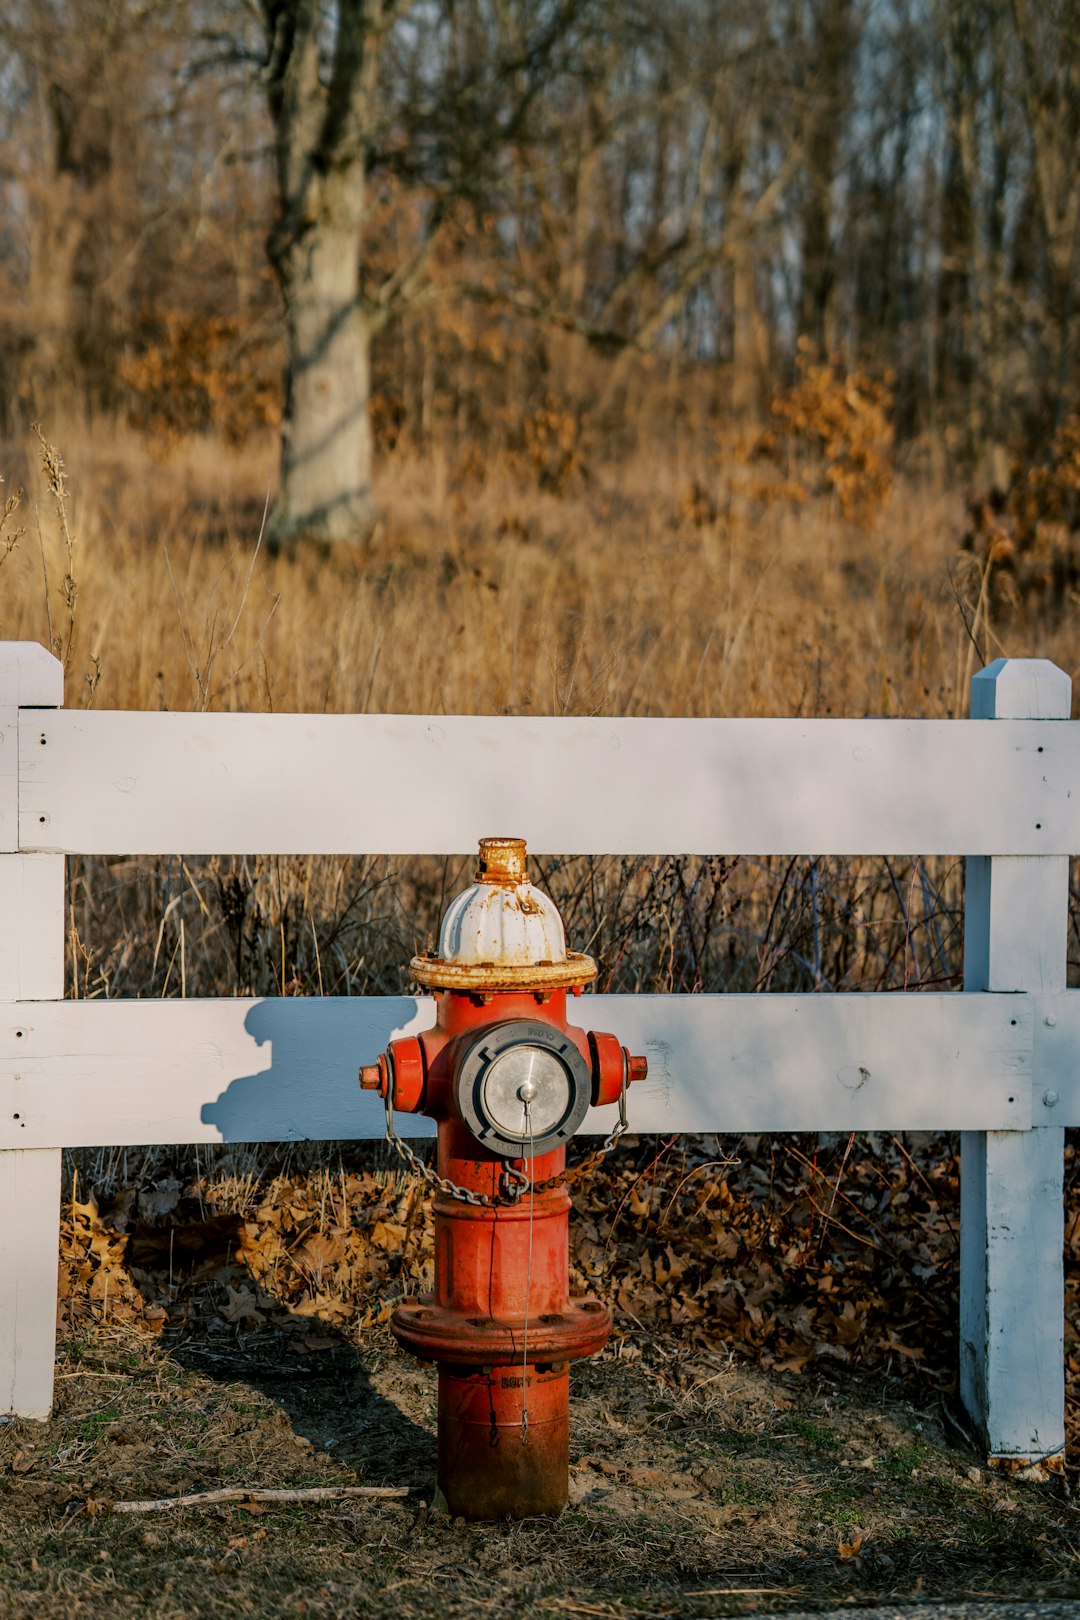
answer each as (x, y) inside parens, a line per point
(219, 629)
(9, 535)
(56, 482)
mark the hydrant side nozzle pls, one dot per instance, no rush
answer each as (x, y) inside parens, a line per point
(408, 1074)
(613, 1067)
(371, 1077)
(401, 1072)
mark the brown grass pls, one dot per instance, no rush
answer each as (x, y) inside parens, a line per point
(490, 596)
(698, 1488)
(483, 593)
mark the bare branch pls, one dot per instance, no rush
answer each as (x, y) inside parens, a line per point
(239, 1493)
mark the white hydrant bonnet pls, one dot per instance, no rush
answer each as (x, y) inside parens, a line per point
(502, 931)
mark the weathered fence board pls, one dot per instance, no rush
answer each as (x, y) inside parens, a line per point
(1016, 924)
(118, 783)
(125, 1072)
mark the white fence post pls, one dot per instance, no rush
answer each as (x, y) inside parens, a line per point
(31, 969)
(1011, 1213)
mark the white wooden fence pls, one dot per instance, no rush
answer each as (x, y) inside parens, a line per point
(1001, 1063)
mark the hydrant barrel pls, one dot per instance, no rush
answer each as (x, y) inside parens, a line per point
(488, 1468)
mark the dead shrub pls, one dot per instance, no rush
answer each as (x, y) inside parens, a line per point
(553, 445)
(842, 419)
(1025, 527)
(197, 374)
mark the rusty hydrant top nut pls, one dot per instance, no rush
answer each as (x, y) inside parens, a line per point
(502, 860)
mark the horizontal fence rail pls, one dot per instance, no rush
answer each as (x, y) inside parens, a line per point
(137, 784)
(999, 1062)
(116, 1073)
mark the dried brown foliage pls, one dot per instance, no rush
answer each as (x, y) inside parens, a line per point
(191, 373)
(790, 1253)
(842, 419)
(309, 1252)
(845, 1251)
(796, 1253)
(1025, 527)
(554, 444)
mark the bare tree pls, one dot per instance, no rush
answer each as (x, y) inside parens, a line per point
(75, 93)
(497, 202)
(1048, 33)
(435, 97)
(105, 157)
(321, 79)
(828, 40)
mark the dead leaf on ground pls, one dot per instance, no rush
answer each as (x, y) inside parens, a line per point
(850, 1544)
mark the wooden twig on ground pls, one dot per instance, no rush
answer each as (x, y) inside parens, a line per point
(238, 1493)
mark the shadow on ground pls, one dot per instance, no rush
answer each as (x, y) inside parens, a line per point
(329, 1399)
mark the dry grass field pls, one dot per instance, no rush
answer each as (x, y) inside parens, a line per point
(773, 1423)
(680, 584)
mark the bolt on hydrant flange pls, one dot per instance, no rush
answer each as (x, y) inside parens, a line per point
(508, 1081)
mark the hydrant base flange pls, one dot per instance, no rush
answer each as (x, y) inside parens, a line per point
(433, 1333)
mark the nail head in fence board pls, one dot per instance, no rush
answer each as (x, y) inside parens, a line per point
(1011, 1226)
(134, 784)
(119, 1073)
(31, 968)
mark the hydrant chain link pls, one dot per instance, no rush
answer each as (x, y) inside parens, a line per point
(516, 1182)
(578, 1172)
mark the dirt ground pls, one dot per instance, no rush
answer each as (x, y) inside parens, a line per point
(772, 1426)
(699, 1486)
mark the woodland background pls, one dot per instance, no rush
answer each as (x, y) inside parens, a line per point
(628, 214)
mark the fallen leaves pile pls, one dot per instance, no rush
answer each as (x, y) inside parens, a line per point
(789, 1252)
(847, 1252)
(320, 1256)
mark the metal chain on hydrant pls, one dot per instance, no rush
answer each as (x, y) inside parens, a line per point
(528, 1289)
(515, 1182)
(578, 1172)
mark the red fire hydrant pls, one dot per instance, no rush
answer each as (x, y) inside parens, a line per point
(509, 1081)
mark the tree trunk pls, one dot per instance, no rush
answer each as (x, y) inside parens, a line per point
(326, 442)
(321, 112)
(56, 231)
(830, 62)
(749, 338)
